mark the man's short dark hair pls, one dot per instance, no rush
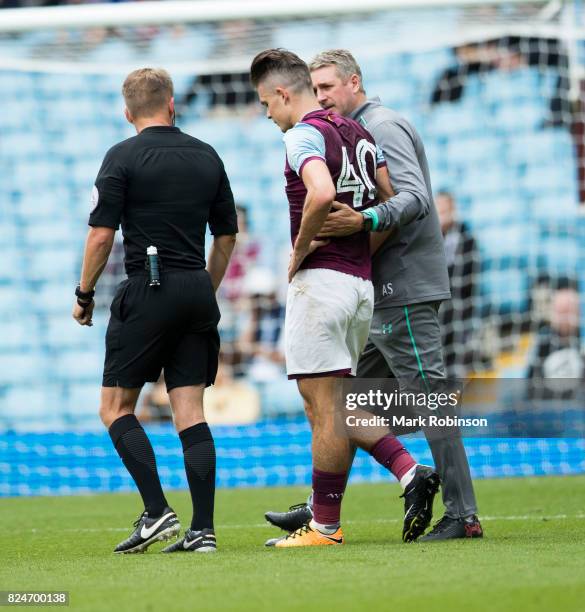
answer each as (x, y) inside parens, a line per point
(293, 71)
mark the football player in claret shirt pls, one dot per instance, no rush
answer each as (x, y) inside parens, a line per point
(330, 296)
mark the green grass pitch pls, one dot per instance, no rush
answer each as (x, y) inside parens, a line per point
(532, 558)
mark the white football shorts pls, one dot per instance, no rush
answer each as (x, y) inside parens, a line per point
(327, 322)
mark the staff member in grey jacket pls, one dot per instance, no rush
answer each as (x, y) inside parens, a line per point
(409, 272)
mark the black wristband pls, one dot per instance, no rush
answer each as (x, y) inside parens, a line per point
(366, 223)
(85, 296)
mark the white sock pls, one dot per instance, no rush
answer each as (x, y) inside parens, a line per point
(407, 478)
(326, 529)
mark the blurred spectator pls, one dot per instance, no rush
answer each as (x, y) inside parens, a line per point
(458, 314)
(156, 406)
(508, 53)
(226, 402)
(230, 401)
(261, 342)
(234, 303)
(243, 258)
(557, 352)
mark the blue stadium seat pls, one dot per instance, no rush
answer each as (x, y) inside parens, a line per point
(551, 179)
(428, 65)
(58, 86)
(395, 94)
(83, 402)
(503, 291)
(20, 144)
(508, 240)
(19, 114)
(520, 84)
(496, 212)
(11, 273)
(53, 298)
(37, 175)
(14, 82)
(27, 404)
(19, 333)
(219, 134)
(559, 256)
(20, 368)
(262, 133)
(473, 150)
(452, 119)
(11, 299)
(84, 171)
(62, 332)
(80, 366)
(54, 264)
(56, 233)
(516, 117)
(554, 207)
(486, 179)
(8, 231)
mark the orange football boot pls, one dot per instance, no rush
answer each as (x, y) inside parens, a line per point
(307, 536)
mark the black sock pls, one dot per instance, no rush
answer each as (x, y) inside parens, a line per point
(136, 452)
(199, 455)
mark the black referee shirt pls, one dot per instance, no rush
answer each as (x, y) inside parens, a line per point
(163, 186)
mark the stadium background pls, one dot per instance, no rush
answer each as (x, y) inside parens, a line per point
(509, 148)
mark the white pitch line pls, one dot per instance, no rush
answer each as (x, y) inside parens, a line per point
(516, 517)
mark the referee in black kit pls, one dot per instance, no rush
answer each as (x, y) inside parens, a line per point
(164, 187)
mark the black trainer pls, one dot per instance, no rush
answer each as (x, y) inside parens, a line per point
(449, 528)
(194, 541)
(290, 521)
(418, 502)
(149, 530)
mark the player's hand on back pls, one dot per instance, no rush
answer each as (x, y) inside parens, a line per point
(83, 315)
(342, 221)
(297, 257)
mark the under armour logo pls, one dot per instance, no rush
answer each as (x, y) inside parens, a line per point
(386, 328)
(334, 495)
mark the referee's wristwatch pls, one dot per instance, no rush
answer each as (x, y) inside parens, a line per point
(84, 297)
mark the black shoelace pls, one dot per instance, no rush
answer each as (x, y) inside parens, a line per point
(297, 507)
(137, 521)
(299, 532)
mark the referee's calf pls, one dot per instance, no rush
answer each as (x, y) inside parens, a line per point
(164, 187)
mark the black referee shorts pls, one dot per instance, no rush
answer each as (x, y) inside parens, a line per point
(171, 327)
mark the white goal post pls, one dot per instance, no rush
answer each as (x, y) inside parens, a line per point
(194, 11)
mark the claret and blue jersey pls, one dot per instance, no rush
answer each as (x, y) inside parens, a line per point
(352, 159)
